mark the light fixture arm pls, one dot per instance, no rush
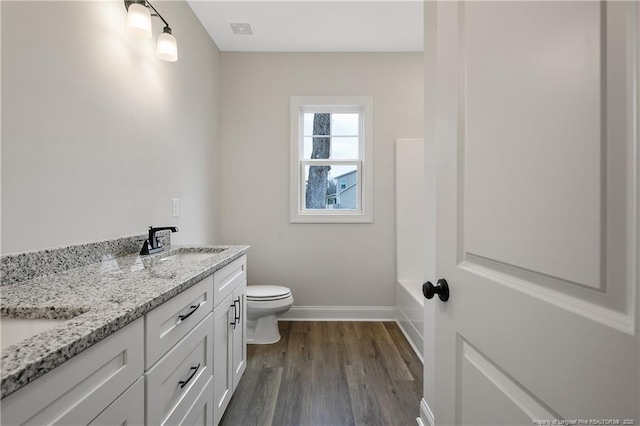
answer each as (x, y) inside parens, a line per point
(166, 24)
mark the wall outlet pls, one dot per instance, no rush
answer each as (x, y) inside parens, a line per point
(176, 207)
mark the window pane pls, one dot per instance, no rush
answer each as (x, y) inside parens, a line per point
(307, 121)
(341, 124)
(344, 124)
(341, 148)
(344, 148)
(331, 187)
(308, 146)
(322, 127)
(318, 148)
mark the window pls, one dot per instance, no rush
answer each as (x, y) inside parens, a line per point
(331, 159)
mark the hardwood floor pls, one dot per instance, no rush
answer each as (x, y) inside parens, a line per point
(330, 373)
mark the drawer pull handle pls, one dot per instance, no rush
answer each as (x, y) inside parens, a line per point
(183, 383)
(238, 310)
(193, 309)
(235, 317)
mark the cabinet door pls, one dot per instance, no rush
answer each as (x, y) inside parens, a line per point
(224, 316)
(239, 353)
(128, 409)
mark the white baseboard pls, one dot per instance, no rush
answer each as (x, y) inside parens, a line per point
(426, 415)
(340, 313)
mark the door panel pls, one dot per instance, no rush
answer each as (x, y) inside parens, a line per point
(566, 186)
(548, 195)
(537, 210)
(500, 393)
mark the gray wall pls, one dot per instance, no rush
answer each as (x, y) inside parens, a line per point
(98, 135)
(323, 264)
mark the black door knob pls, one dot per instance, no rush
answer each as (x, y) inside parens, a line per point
(441, 289)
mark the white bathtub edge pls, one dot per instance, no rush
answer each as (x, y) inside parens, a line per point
(410, 313)
(412, 335)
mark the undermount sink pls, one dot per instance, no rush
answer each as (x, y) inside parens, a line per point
(194, 255)
(15, 330)
(188, 256)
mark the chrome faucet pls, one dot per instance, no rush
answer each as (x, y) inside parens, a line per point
(152, 245)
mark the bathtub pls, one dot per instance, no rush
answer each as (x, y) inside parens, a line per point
(410, 313)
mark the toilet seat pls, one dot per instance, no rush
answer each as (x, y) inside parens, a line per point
(265, 293)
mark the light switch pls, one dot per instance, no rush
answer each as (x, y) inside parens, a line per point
(176, 207)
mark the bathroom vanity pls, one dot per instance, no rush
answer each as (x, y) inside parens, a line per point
(157, 339)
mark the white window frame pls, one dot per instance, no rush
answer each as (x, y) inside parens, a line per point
(335, 104)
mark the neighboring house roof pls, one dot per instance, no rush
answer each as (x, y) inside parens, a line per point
(345, 174)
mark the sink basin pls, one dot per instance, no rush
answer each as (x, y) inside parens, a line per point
(188, 256)
(14, 330)
(193, 255)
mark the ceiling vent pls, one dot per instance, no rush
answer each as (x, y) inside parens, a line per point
(241, 28)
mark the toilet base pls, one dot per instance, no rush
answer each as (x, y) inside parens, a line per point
(263, 331)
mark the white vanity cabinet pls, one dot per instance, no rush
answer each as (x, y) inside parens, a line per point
(179, 365)
(230, 348)
(77, 391)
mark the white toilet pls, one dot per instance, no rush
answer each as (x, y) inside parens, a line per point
(264, 304)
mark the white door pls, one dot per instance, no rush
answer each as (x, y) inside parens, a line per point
(537, 213)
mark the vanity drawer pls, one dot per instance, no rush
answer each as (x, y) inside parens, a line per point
(171, 321)
(228, 278)
(128, 409)
(201, 411)
(176, 381)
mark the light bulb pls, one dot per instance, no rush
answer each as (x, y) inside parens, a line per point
(139, 21)
(167, 48)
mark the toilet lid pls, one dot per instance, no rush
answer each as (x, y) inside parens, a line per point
(265, 292)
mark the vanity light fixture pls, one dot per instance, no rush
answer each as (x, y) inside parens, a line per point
(139, 25)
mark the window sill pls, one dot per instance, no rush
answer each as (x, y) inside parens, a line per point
(330, 217)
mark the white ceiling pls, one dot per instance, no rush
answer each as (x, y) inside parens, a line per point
(314, 26)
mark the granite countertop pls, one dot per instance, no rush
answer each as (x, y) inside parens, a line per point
(96, 299)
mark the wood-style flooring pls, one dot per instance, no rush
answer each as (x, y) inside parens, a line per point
(329, 373)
